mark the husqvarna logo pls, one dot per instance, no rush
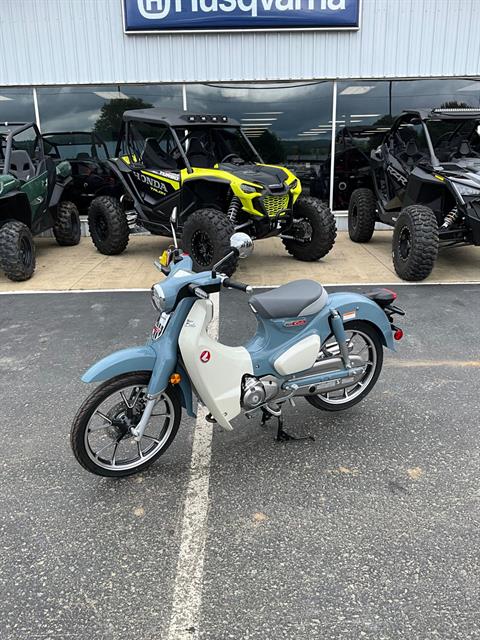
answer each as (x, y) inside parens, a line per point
(160, 9)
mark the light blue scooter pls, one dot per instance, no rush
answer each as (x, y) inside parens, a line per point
(326, 348)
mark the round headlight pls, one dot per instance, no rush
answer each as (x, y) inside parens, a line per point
(158, 297)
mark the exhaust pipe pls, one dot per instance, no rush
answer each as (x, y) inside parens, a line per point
(327, 376)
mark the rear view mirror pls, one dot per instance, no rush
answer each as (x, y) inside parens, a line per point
(242, 243)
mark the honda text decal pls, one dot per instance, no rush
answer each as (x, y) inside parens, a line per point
(194, 15)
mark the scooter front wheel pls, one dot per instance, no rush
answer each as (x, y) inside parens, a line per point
(364, 342)
(101, 437)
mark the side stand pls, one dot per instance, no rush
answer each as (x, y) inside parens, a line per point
(282, 435)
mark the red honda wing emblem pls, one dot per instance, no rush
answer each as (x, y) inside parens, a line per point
(205, 356)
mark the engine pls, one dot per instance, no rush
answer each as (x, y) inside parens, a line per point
(258, 391)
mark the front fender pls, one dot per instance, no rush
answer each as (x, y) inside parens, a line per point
(358, 307)
(140, 359)
(124, 361)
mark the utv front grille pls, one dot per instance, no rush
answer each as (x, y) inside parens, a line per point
(274, 204)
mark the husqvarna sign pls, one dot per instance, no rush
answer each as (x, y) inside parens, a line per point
(231, 15)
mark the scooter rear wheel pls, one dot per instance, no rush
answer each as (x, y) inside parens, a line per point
(100, 437)
(363, 339)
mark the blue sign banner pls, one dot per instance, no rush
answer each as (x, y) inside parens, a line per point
(230, 15)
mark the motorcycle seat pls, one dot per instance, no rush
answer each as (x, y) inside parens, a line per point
(297, 298)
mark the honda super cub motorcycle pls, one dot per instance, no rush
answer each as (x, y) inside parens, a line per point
(326, 348)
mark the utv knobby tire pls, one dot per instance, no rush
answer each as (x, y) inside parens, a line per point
(324, 230)
(415, 243)
(206, 238)
(94, 400)
(362, 213)
(17, 251)
(108, 225)
(66, 228)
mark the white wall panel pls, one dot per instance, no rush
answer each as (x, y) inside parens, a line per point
(82, 42)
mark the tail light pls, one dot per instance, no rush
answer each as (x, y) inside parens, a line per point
(398, 335)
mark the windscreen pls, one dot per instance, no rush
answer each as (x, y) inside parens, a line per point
(74, 146)
(208, 146)
(453, 138)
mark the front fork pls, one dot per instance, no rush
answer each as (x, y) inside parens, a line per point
(138, 431)
(336, 322)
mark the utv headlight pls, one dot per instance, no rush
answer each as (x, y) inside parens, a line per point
(293, 185)
(248, 188)
(158, 297)
(465, 190)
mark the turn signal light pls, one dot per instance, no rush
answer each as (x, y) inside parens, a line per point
(398, 335)
(175, 378)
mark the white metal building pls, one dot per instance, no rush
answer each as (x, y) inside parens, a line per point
(62, 61)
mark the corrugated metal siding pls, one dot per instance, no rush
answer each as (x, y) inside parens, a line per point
(82, 42)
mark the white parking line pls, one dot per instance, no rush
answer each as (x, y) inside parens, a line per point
(258, 286)
(187, 594)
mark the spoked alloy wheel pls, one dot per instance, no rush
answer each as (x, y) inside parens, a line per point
(101, 434)
(363, 341)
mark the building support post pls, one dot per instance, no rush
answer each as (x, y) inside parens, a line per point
(332, 146)
(35, 106)
(184, 96)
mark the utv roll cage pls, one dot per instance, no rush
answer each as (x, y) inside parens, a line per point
(426, 115)
(7, 137)
(172, 120)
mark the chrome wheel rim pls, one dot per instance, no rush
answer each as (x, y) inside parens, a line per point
(108, 440)
(359, 344)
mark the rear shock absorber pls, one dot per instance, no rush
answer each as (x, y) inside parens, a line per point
(233, 209)
(450, 218)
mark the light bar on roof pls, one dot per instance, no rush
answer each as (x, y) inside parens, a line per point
(461, 109)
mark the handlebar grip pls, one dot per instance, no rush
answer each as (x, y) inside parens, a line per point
(231, 284)
(198, 291)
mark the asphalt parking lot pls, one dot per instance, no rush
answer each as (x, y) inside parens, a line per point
(371, 531)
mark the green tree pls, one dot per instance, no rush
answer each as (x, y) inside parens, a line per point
(453, 104)
(270, 147)
(110, 119)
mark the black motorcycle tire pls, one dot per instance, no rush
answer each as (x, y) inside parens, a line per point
(365, 327)
(94, 400)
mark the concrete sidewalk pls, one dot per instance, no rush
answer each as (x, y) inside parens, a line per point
(83, 267)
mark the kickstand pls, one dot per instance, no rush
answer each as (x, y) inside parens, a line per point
(283, 436)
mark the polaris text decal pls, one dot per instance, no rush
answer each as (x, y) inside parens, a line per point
(195, 15)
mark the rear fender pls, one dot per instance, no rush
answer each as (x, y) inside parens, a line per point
(143, 359)
(354, 306)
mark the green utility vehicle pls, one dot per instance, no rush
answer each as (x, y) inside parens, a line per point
(31, 199)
